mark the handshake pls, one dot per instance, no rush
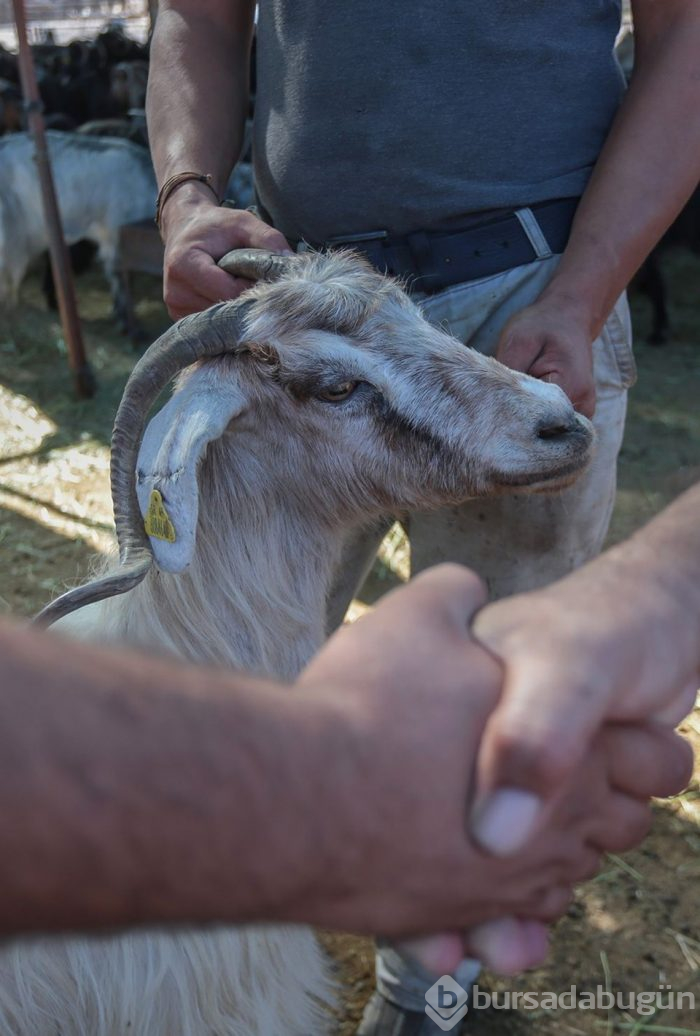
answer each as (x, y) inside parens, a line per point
(444, 765)
(487, 756)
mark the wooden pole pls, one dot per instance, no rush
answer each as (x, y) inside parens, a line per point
(83, 377)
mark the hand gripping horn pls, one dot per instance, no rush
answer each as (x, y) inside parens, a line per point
(214, 332)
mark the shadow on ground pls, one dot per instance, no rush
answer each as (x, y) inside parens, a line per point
(34, 358)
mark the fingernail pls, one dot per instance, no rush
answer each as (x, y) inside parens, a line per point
(506, 820)
(287, 251)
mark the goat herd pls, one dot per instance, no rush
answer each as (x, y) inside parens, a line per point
(93, 94)
(89, 84)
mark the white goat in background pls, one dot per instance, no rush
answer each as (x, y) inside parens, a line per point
(324, 400)
(101, 183)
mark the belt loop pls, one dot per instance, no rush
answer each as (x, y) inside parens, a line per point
(534, 233)
(421, 251)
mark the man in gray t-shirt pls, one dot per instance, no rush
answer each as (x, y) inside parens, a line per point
(411, 116)
(460, 135)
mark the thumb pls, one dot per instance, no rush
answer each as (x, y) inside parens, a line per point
(517, 350)
(535, 738)
(575, 379)
(446, 596)
(263, 236)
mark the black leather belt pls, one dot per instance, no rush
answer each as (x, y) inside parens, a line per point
(432, 260)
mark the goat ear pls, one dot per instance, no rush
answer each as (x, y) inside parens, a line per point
(166, 469)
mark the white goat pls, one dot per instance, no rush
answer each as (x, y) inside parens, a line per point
(101, 183)
(335, 402)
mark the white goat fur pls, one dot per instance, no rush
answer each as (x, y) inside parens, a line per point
(101, 183)
(431, 422)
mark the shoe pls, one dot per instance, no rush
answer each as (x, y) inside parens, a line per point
(383, 1017)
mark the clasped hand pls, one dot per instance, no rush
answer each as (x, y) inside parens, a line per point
(439, 735)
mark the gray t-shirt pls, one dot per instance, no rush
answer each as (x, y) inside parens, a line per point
(379, 114)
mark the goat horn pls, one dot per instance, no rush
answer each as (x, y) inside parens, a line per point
(256, 264)
(211, 333)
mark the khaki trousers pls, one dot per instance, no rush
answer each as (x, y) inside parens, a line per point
(515, 542)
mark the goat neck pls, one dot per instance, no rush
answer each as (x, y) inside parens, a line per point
(254, 595)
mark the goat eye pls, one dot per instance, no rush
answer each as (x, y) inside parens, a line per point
(337, 393)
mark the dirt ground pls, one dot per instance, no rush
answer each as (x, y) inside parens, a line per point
(635, 927)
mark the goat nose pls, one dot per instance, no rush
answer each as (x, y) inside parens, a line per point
(555, 428)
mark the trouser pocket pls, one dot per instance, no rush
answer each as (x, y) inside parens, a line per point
(617, 365)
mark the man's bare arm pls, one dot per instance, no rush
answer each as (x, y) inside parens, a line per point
(617, 640)
(135, 790)
(126, 781)
(648, 168)
(196, 106)
(198, 87)
(138, 790)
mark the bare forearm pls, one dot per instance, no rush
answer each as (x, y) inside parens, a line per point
(648, 168)
(666, 552)
(198, 86)
(137, 790)
(134, 790)
(196, 105)
(618, 640)
(641, 601)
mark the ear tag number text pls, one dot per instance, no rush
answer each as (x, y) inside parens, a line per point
(157, 522)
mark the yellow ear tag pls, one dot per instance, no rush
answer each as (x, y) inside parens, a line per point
(157, 523)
